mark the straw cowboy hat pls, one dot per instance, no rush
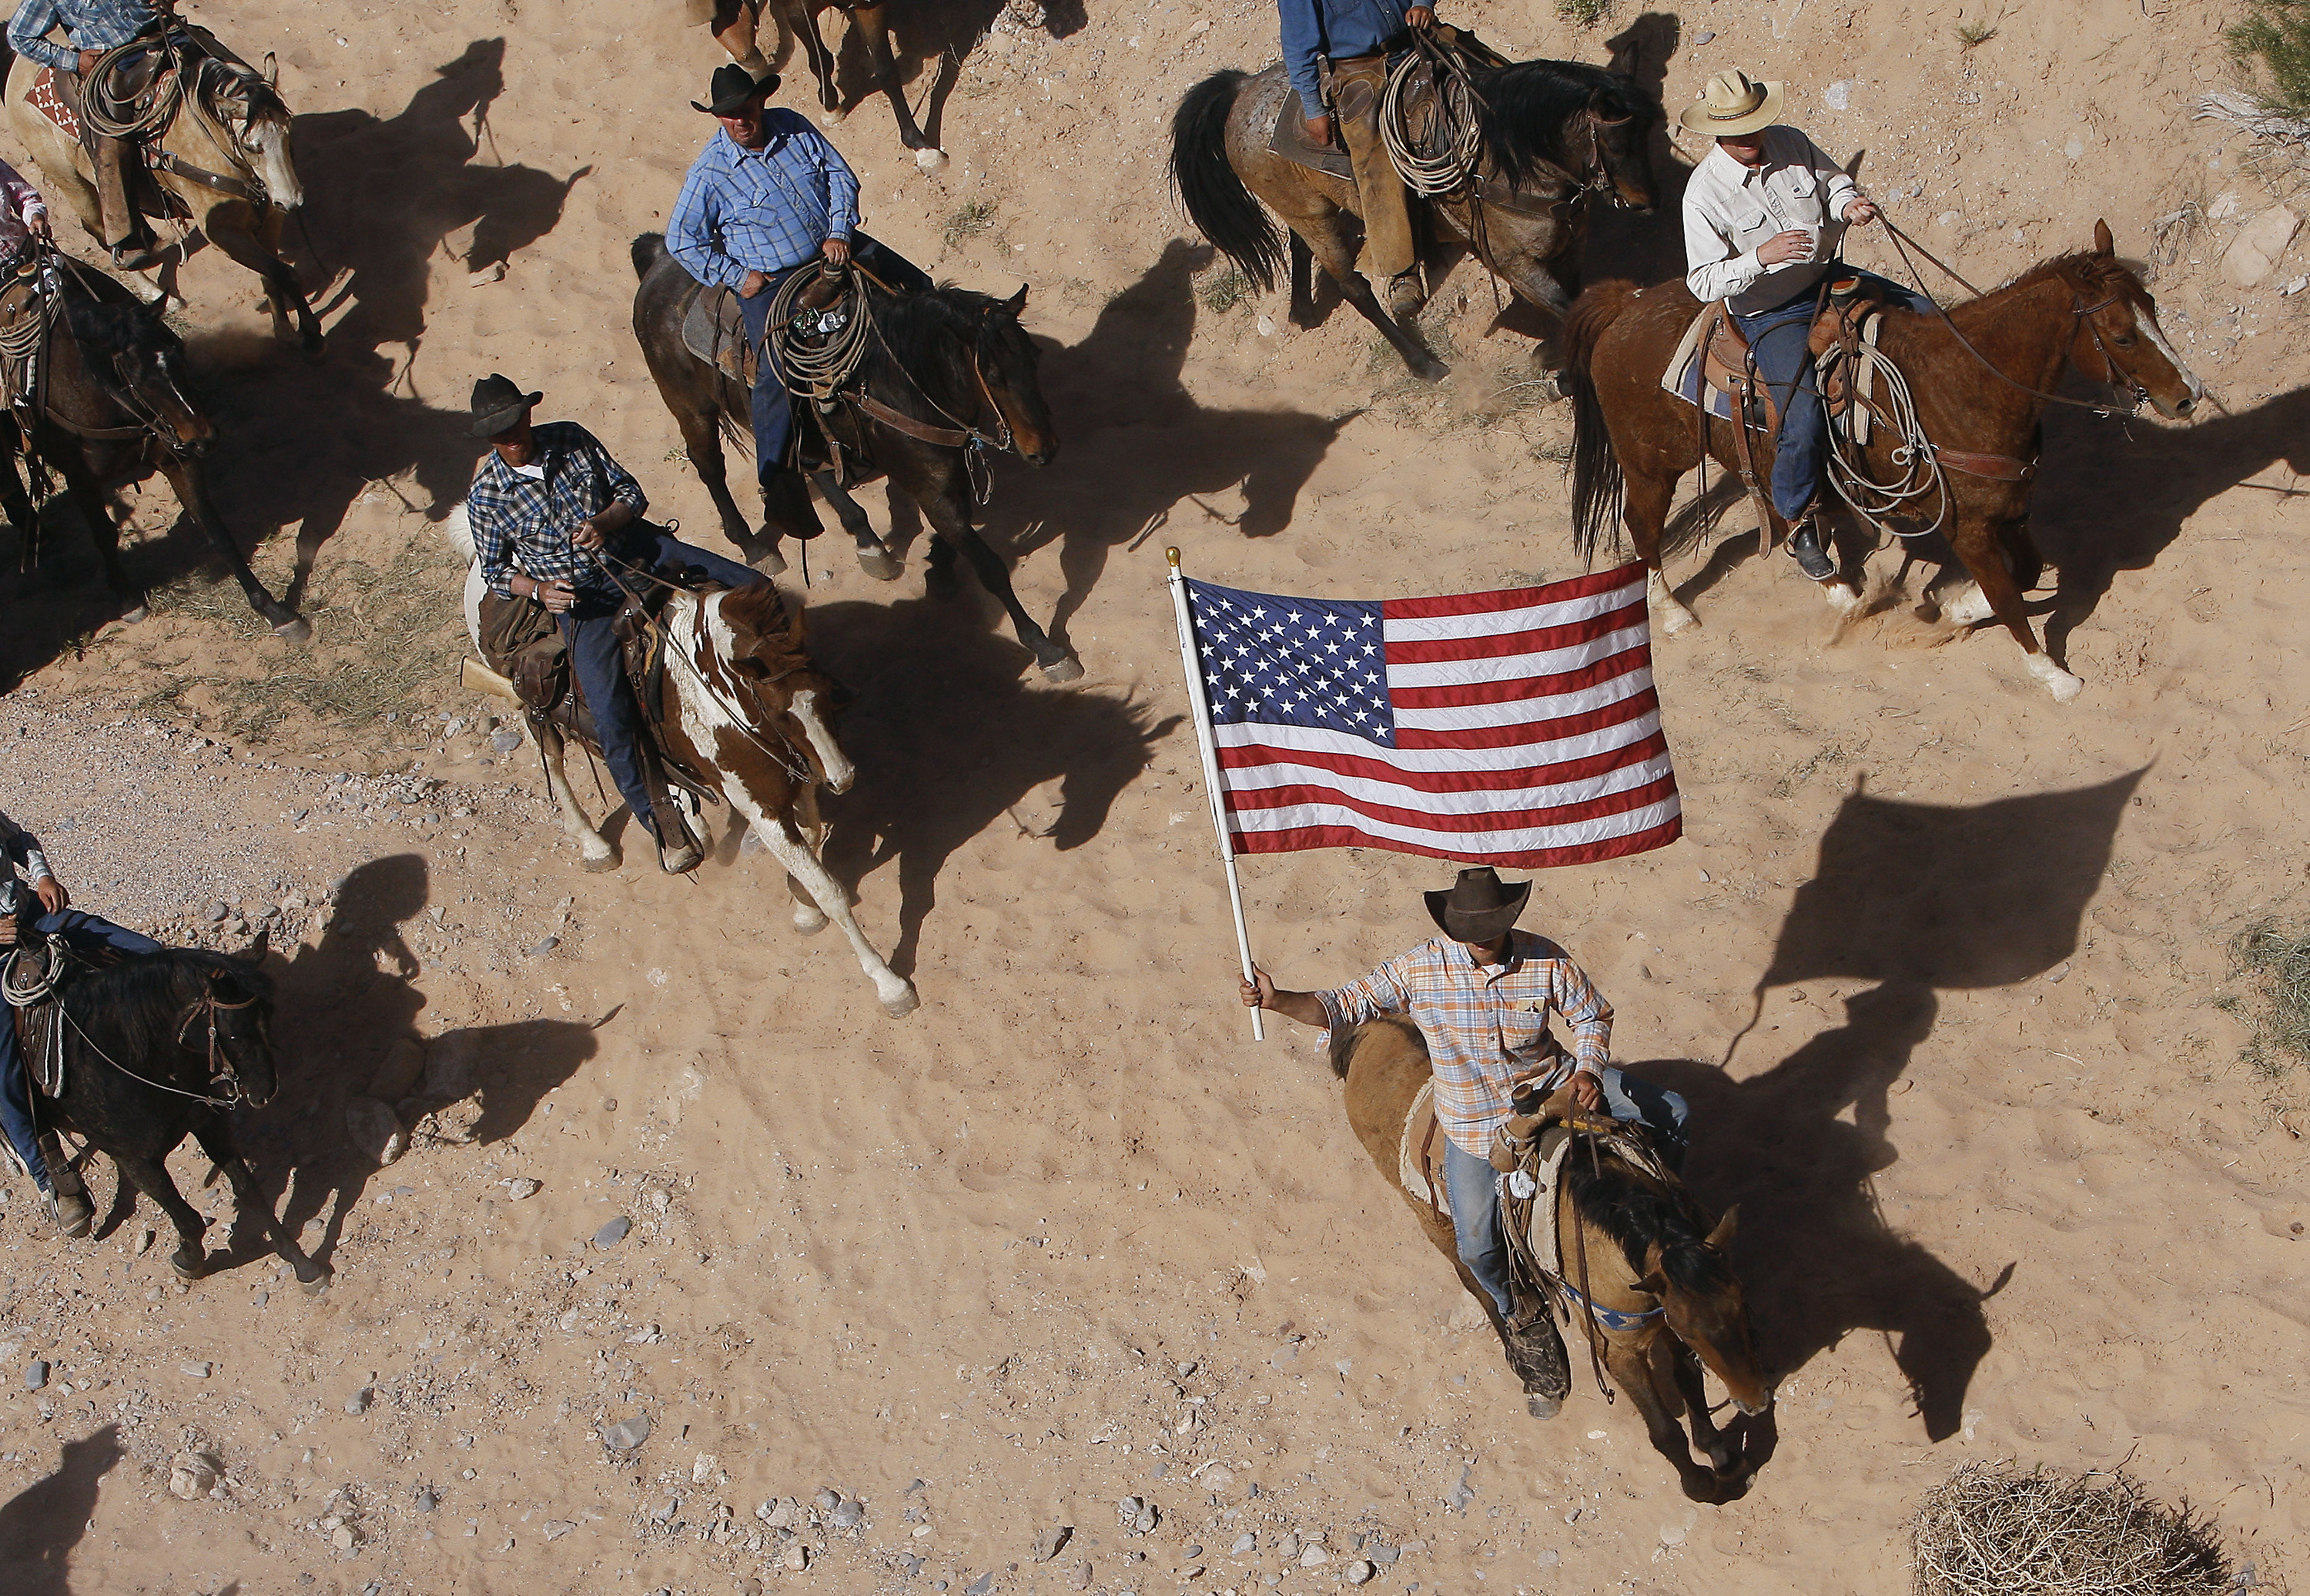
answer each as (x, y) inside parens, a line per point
(1732, 103)
(1480, 905)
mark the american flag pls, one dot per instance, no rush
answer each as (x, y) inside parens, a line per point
(1518, 727)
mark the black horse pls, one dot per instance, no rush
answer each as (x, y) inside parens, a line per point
(955, 365)
(120, 405)
(157, 1048)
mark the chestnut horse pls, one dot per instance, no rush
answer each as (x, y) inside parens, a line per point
(735, 24)
(1654, 1265)
(1555, 132)
(1979, 378)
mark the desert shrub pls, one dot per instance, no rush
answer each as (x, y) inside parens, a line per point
(1995, 1529)
(2276, 34)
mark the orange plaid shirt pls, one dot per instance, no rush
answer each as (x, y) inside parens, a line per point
(1486, 1026)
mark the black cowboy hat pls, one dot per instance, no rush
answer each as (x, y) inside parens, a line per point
(499, 405)
(1480, 905)
(730, 88)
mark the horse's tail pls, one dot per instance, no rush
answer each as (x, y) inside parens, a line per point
(1221, 208)
(646, 250)
(1595, 469)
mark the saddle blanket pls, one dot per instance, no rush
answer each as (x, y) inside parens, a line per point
(714, 330)
(1686, 376)
(53, 100)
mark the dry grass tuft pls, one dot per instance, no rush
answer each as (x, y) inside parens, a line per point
(2276, 34)
(2279, 959)
(1994, 1530)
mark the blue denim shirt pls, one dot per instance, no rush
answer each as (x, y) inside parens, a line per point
(90, 24)
(761, 209)
(1339, 29)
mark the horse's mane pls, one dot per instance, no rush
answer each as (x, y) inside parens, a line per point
(1526, 108)
(930, 336)
(2083, 268)
(1636, 1214)
(142, 998)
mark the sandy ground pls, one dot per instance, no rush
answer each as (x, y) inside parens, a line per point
(1943, 965)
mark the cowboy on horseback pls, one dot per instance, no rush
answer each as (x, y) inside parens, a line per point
(43, 912)
(551, 502)
(1481, 994)
(768, 197)
(1764, 214)
(1337, 53)
(92, 28)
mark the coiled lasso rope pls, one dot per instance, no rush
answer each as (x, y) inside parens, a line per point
(818, 368)
(1915, 462)
(1444, 160)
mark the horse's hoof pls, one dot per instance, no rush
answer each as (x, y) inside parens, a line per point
(189, 1266)
(1840, 597)
(1675, 619)
(808, 925)
(296, 631)
(878, 564)
(930, 158)
(1431, 370)
(2063, 686)
(1542, 1407)
(770, 562)
(943, 586)
(315, 351)
(317, 1286)
(1066, 669)
(136, 617)
(834, 117)
(904, 1004)
(598, 865)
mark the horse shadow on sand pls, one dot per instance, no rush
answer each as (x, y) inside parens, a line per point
(341, 1008)
(939, 764)
(41, 1524)
(1136, 447)
(1907, 898)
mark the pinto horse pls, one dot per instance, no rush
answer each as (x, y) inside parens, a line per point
(1555, 134)
(157, 1048)
(954, 366)
(743, 706)
(1980, 378)
(1651, 1263)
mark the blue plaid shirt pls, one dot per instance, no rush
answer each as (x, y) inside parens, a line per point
(90, 24)
(517, 520)
(762, 209)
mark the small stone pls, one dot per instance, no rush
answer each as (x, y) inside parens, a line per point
(556, 1528)
(358, 1403)
(1838, 95)
(1671, 1534)
(2253, 255)
(144, 1240)
(1314, 1556)
(1191, 1551)
(1548, 1559)
(626, 1434)
(1049, 1542)
(1358, 1571)
(797, 1558)
(192, 1475)
(1245, 1546)
(427, 1501)
(702, 1468)
(827, 1499)
(519, 1187)
(1385, 1555)
(1078, 1577)
(1187, 1369)
(505, 739)
(543, 946)
(849, 1515)
(199, 1371)
(36, 1374)
(610, 1235)
(399, 1071)
(217, 912)
(1702, 37)
(1949, 219)
(344, 1538)
(980, 1586)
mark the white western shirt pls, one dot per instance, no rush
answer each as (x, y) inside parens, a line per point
(1730, 209)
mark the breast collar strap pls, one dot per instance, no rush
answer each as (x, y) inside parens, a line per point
(1613, 1318)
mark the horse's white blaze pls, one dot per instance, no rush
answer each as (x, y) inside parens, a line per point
(839, 771)
(2157, 336)
(268, 148)
(2058, 681)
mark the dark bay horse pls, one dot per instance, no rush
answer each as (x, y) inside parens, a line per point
(1555, 132)
(955, 364)
(735, 24)
(159, 1048)
(1980, 409)
(1652, 1262)
(121, 405)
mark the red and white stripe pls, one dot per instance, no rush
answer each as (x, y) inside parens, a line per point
(1527, 734)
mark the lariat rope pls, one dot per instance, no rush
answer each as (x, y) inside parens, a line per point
(1444, 160)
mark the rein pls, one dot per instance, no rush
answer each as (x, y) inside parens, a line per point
(185, 82)
(148, 423)
(221, 1064)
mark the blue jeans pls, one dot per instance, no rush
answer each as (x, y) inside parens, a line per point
(593, 656)
(84, 934)
(773, 405)
(1471, 1182)
(1779, 337)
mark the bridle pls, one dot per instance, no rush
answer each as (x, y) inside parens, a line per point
(222, 1071)
(122, 390)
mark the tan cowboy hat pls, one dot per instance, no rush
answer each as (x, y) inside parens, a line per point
(1479, 906)
(1732, 103)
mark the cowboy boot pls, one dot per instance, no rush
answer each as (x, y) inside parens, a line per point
(1407, 295)
(1808, 549)
(1536, 1356)
(67, 1204)
(787, 509)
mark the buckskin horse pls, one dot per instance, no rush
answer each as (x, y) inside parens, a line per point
(1555, 134)
(156, 1048)
(744, 709)
(1652, 1262)
(946, 373)
(1980, 376)
(222, 143)
(118, 403)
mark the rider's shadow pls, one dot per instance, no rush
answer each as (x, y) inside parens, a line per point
(42, 1524)
(1906, 900)
(341, 1007)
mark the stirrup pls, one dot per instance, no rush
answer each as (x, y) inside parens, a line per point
(129, 255)
(679, 851)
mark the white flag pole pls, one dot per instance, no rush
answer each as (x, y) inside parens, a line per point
(1202, 719)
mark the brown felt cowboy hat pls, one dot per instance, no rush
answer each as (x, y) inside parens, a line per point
(1732, 103)
(1480, 905)
(730, 88)
(499, 405)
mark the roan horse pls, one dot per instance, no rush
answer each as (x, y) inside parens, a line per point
(1981, 381)
(1555, 134)
(224, 160)
(737, 22)
(746, 709)
(954, 365)
(157, 1048)
(120, 405)
(1651, 1263)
